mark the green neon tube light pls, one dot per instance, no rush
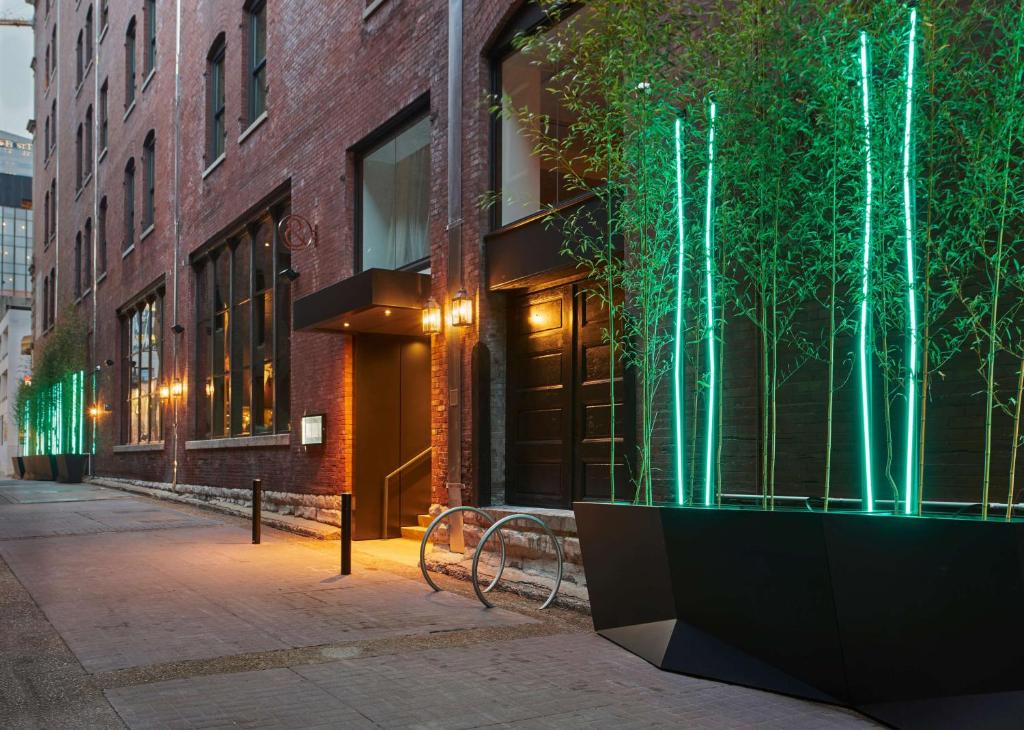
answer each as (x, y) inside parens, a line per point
(710, 296)
(680, 317)
(862, 354)
(908, 225)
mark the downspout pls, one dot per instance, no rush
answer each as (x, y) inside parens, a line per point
(455, 272)
(94, 232)
(177, 234)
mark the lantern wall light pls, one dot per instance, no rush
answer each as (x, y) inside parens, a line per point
(431, 317)
(461, 309)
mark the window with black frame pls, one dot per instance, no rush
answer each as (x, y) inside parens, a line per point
(142, 340)
(149, 18)
(395, 200)
(528, 183)
(129, 204)
(215, 121)
(149, 181)
(129, 64)
(257, 59)
(244, 330)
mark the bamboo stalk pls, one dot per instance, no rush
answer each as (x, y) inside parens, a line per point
(1016, 441)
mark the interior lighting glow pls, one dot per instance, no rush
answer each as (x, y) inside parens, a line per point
(862, 354)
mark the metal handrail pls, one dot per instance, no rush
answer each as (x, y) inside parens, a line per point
(386, 493)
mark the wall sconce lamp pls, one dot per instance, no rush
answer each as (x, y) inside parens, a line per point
(174, 389)
(431, 317)
(462, 309)
(95, 410)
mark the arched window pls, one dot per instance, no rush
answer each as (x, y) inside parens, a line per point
(129, 64)
(129, 204)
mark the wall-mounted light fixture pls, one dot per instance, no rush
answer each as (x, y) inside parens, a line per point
(288, 273)
(462, 309)
(174, 389)
(431, 317)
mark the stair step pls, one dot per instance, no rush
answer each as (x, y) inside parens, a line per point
(424, 520)
(414, 533)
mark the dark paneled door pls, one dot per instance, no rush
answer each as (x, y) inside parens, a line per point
(540, 399)
(391, 425)
(559, 417)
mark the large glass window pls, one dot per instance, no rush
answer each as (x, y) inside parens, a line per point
(244, 334)
(216, 130)
(257, 56)
(142, 341)
(528, 183)
(15, 251)
(396, 199)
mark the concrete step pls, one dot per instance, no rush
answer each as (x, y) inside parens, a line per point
(414, 533)
(424, 520)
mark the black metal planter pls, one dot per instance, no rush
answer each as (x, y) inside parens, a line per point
(917, 622)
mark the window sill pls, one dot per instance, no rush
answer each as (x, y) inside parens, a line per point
(241, 442)
(149, 229)
(103, 154)
(253, 127)
(103, 33)
(135, 448)
(124, 254)
(214, 165)
(100, 279)
(149, 77)
(128, 111)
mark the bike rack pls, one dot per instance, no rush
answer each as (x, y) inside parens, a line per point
(437, 520)
(495, 527)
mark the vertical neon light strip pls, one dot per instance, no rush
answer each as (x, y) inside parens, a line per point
(863, 343)
(680, 317)
(708, 218)
(908, 224)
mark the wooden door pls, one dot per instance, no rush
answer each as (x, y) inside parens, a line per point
(540, 428)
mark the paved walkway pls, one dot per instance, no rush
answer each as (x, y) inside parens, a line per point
(117, 610)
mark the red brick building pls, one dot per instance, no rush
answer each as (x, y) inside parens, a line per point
(176, 139)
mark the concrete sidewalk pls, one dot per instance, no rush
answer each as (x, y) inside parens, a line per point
(118, 610)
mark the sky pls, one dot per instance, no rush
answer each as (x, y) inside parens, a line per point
(15, 74)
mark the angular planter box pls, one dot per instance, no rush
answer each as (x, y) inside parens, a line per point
(40, 468)
(913, 621)
(18, 463)
(71, 467)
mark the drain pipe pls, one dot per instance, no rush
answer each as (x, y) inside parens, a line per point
(454, 282)
(177, 236)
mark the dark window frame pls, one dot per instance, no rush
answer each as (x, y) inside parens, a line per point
(216, 101)
(149, 181)
(394, 127)
(104, 114)
(217, 383)
(153, 303)
(256, 88)
(101, 235)
(130, 70)
(129, 204)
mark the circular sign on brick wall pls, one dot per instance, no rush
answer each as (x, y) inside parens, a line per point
(296, 232)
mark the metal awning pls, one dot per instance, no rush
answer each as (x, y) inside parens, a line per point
(380, 301)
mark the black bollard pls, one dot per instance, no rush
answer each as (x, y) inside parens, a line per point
(257, 503)
(346, 533)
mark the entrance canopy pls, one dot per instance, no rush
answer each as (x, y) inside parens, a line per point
(379, 301)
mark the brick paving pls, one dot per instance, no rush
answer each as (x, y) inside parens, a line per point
(174, 620)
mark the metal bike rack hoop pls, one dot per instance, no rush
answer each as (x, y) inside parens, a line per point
(430, 530)
(496, 527)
